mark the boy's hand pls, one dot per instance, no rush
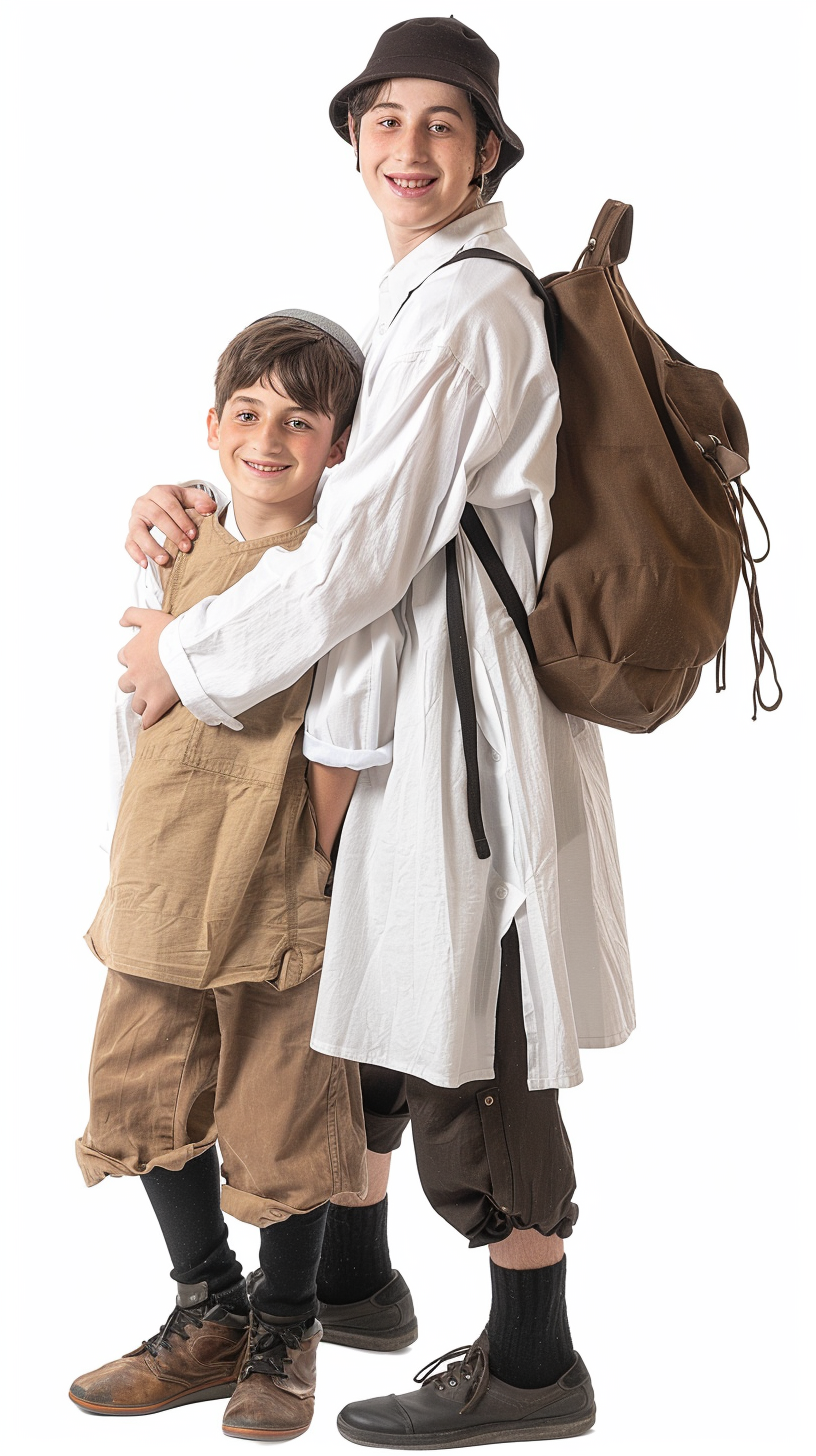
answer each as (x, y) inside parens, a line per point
(165, 506)
(145, 677)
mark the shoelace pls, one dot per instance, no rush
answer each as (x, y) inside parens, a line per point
(175, 1325)
(468, 1367)
(267, 1350)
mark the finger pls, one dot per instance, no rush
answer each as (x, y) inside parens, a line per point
(148, 512)
(198, 500)
(120, 657)
(135, 552)
(138, 705)
(170, 500)
(135, 617)
(126, 683)
(140, 541)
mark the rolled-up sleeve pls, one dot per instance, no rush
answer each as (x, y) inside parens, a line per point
(384, 512)
(350, 717)
(125, 724)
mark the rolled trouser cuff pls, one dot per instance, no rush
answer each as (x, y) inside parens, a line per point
(384, 1130)
(96, 1165)
(259, 1211)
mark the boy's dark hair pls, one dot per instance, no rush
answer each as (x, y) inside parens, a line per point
(365, 97)
(311, 366)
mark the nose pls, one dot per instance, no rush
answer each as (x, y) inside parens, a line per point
(269, 438)
(412, 146)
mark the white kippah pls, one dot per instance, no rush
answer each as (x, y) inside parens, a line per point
(327, 325)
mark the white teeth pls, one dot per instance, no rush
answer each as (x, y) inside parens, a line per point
(268, 469)
(401, 182)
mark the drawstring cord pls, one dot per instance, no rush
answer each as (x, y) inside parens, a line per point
(736, 495)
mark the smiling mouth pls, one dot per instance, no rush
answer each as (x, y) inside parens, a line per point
(261, 469)
(409, 184)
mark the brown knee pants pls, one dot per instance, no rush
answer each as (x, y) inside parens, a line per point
(173, 1069)
(492, 1156)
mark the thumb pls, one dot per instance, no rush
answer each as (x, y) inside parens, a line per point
(197, 500)
(135, 617)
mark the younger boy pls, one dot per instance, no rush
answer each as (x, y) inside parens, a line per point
(212, 929)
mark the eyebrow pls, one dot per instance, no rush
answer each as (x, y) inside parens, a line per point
(395, 106)
(289, 404)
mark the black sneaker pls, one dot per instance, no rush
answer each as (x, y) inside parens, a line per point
(384, 1321)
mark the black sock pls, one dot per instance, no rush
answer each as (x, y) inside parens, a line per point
(187, 1204)
(530, 1341)
(355, 1261)
(290, 1254)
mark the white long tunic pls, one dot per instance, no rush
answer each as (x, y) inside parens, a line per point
(459, 402)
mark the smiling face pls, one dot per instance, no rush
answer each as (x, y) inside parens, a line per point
(273, 453)
(417, 153)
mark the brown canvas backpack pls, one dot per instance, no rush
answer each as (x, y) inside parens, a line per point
(649, 536)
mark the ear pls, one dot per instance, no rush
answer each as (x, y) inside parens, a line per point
(354, 139)
(490, 152)
(212, 429)
(338, 449)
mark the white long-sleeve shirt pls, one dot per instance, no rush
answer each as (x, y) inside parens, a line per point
(459, 401)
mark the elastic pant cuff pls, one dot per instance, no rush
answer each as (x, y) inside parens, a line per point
(498, 1226)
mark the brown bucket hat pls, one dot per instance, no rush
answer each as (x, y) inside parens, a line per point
(437, 49)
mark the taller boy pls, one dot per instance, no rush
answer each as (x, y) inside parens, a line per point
(470, 983)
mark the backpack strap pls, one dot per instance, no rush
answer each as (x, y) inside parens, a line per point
(495, 568)
(552, 314)
(460, 654)
(463, 684)
(499, 575)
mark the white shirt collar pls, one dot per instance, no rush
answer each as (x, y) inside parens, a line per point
(417, 265)
(231, 525)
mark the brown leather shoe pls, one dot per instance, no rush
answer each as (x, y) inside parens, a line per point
(274, 1399)
(197, 1355)
(465, 1405)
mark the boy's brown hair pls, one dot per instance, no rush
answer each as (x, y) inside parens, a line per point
(309, 365)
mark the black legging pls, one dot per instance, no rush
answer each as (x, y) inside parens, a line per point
(187, 1205)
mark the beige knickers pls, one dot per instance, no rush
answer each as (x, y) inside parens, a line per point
(174, 1069)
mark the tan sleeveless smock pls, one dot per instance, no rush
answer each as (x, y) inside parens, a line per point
(215, 876)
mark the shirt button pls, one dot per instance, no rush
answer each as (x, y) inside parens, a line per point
(501, 893)
(382, 328)
(496, 757)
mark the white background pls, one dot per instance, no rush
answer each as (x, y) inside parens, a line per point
(175, 176)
